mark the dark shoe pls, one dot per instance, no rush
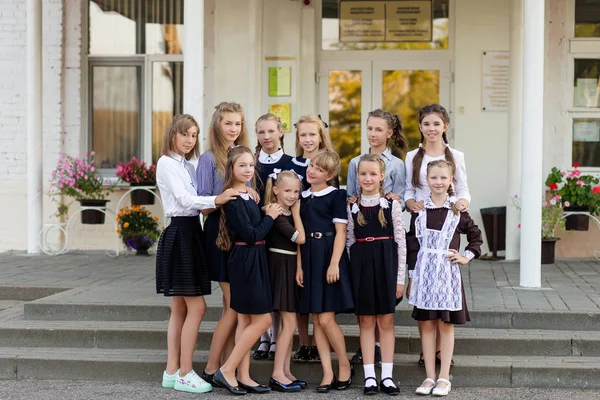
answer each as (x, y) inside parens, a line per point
(391, 390)
(303, 385)
(357, 357)
(421, 362)
(313, 355)
(209, 378)
(283, 387)
(260, 354)
(377, 356)
(260, 389)
(369, 390)
(327, 388)
(271, 356)
(343, 385)
(301, 354)
(220, 380)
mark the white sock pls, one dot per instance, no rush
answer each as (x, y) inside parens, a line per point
(377, 344)
(369, 373)
(386, 372)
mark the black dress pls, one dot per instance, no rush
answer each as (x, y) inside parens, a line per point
(247, 264)
(374, 264)
(435, 220)
(282, 264)
(299, 166)
(181, 267)
(264, 170)
(318, 211)
(217, 258)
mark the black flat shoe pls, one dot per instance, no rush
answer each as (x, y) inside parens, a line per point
(209, 378)
(303, 385)
(343, 385)
(327, 388)
(370, 390)
(283, 387)
(313, 355)
(271, 355)
(357, 357)
(259, 389)
(261, 354)
(377, 356)
(421, 361)
(222, 382)
(301, 354)
(391, 390)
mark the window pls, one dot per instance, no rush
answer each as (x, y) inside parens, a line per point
(587, 18)
(438, 25)
(135, 76)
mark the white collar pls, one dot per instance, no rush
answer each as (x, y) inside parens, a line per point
(296, 160)
(177, 157)
(245, 195)
(320, 193)
(370, 201)
(387, 153)
(265, 158)
(447, 204)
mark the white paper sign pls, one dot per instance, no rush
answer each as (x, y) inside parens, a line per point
(586, 130)
(494, 85)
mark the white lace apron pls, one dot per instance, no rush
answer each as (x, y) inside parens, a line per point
(436, 283)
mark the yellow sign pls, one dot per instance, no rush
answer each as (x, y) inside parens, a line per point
(362, 21)
(386, 21)
(408, 21)
(280, 81)
(284, 112)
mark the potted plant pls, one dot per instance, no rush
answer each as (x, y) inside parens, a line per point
(137, 228)
(552, 217)
(579, 193)
(79, 179)
(138, 173)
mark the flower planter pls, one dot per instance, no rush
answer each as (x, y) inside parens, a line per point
(93, 217)
(577, 222)
(140, 197)
(548, 246)
(139, 243)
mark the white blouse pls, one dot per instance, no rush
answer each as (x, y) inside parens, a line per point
(398, 227)
(420, 194)
(175, 178)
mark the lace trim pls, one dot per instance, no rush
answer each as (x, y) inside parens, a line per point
(447, 204)
(245, 195)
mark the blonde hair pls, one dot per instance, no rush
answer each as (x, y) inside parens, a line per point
(324, 141)
(180, 124)
(450, 166)
(270, 196)
(381, 216)
(216, 142)
(329, 160)
(268, 117)
(224, 240)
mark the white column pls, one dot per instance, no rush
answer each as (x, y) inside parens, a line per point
(533, 121)
(34, 125)
(307, 96)
(193, 62)
(515, 121)
(253, 107)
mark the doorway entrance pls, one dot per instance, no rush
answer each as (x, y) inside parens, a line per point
(350, 89)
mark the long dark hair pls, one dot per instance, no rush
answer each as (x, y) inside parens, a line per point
(418, 160)
(397, 142)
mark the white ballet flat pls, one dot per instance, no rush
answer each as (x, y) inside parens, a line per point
(442, 392)
(424, 390)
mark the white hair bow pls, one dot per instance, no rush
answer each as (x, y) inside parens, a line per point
(274, 174)
(384, 203)
(354, 209)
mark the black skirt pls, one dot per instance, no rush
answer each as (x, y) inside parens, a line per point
(216, 257)
(181, 268)
(282, 273)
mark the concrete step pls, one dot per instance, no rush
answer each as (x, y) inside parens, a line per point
(50, 309)
(147, 365)
(152, 335)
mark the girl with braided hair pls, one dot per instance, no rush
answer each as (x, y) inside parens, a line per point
(376, 244)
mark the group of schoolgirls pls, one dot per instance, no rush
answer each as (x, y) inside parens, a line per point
(283, 242)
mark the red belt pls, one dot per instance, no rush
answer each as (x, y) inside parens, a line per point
(251, 244)
(372, 239)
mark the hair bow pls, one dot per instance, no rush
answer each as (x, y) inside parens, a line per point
(275, 172)
(298, 175)
(383, 203)
(354, 208)
(324, 123)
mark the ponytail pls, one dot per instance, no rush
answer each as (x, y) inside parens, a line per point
(417, 161)
(452, 194)
(399, 142)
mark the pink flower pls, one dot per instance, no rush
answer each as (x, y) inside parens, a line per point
(519, 226)
(558, 197)
(516, 196)
(580, 182)
(93, 169)
(553, 202)
(577, 173)
(544, 204)
(564, 173)
(85, 177)
(93, 153)
(567, 204)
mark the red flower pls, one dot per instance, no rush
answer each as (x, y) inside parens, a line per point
(576, 164)
(553, 186)
(596, 189)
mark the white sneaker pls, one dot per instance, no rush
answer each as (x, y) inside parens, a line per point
(192, 383)
(425, 390)
(442, 392)
(168, 381)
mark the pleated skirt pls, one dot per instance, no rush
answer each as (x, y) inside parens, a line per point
(181, 267)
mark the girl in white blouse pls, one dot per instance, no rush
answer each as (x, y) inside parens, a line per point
(181, 272)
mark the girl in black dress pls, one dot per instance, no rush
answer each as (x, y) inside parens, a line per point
(284, 189)
(324, 274)
(242, 231)
(377, 248)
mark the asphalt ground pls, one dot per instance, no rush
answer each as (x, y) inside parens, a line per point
(83, 390)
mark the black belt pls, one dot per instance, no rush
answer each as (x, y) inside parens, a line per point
(319, 235)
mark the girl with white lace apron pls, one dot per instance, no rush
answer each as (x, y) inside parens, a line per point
(437, 290)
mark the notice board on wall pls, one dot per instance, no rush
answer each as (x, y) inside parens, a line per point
(495, 69)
